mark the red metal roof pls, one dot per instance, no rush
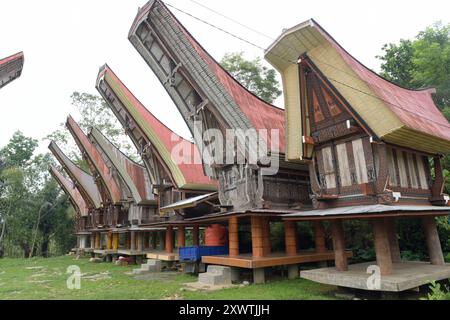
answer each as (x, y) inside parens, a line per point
(191, 169)
(415, 108)
(11, 58)
(69, 188)
(96, 159)
(261, 114)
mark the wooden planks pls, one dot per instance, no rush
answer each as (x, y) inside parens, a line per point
(344, 167)
(328, 168)
(272, 260)
(360, 161)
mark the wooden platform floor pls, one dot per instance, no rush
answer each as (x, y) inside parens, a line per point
(406, 275)
(162, 255)
(272, 260)
(127, 252)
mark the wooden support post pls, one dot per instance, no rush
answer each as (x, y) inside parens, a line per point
(257, 237)
(195, 236)
(181, 237)
(92, 240)
(127, 240)
(266, 236)
(319, 237)
(140, 242)
(115, 241)
(109, 241)
(133, 241)
(146, 240)
(382, 246)
(169, 239)
(340, 256)
(433, 243)
(162, 240)
(155, 236)
(391, 229)
(98, 240)
(233, 236)
(290, 237)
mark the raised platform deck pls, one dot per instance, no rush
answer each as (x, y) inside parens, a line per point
(162, 255)
(104, 252)
(274, 259)
(127, 252)
(406, 275)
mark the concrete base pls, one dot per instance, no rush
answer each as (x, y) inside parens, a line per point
(405, 276)
(149, 267)
(293, 272)
(259, 276)
(235, 272)
(216, 276)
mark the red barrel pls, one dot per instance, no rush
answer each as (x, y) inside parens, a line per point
(216, 235)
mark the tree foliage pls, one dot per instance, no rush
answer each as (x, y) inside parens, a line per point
(94, 112)
(257, 78)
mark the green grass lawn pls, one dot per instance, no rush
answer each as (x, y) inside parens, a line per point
(40, 278)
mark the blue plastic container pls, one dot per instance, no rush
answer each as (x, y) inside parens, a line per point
(193, 254)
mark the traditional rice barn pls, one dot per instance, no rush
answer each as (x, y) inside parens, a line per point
(252, 193)
(82, 223)
(140, 200)
(368, 144)
(178, 183)
(11, 68)
(85, 184)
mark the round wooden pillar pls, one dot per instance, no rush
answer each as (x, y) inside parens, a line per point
(169, 239)
(133, 241)
(109, 241)
(391, 229)
(233, 236)
(433, 243)
(319, 237)
(115, 241)
(382, 246)
(181, 237)
(290, 237)
(195, 235)
(257, 237)
(340, 256)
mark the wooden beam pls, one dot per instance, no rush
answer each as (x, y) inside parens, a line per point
(181, 237)
(169, 239)
(382, 246)
(340, 256)
(290, 237)
(233, 236)
(139, 241)
(109, 242)
(433, 242)
(127, 240)
(319, 237)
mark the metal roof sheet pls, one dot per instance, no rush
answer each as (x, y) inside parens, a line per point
(11, 68)
(69, 188)
(189, 174)
(88, 149)
(190, 202)
(133, 174)
(84, 182)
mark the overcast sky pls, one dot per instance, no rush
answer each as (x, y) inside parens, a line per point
(65, 42)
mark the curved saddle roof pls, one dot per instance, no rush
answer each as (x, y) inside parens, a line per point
(95, 159)
(11, 68)
(69, 188)
(189, 173)
(397, 115)
(134, 175)
(84, 182)
(241, 108)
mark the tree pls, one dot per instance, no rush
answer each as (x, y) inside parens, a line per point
(94, 112)
(257, 78)
(422, 62)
